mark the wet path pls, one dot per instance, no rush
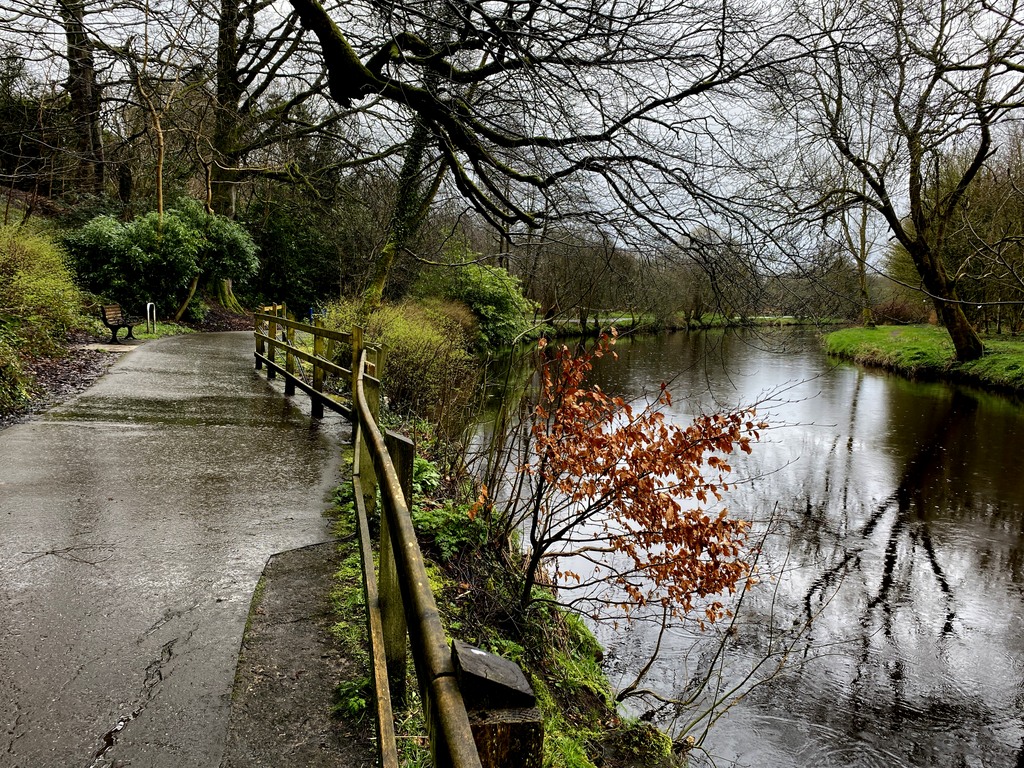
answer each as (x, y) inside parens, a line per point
(135, 522)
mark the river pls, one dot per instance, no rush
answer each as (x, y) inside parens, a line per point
(892, 564)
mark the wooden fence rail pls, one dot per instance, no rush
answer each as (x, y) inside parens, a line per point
(479, 708)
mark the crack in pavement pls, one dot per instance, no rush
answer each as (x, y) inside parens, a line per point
(68, 553)
(169, 616)
(13, 731)
(154, 676)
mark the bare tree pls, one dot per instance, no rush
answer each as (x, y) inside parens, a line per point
(928, 80)
(587, 110)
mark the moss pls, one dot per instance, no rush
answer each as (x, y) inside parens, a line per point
(348, 602)
(566, 744)
(257, 598)
(638, 743)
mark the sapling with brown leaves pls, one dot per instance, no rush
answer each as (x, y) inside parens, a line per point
(610, 502)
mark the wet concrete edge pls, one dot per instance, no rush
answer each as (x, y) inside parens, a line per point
(288, 668)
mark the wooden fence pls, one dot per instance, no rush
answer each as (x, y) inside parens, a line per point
(478, 707)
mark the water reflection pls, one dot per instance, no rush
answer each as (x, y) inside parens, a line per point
(900, 532)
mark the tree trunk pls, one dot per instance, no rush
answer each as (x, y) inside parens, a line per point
(867, 318)
(966, 341)
(411, 204)
(84, 96)
(226, 116)
(184, 305)
(226, 296)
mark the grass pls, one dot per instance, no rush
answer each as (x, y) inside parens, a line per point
(925, 351)
(160, 330)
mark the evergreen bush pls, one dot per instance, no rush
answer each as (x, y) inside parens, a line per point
(156, 258)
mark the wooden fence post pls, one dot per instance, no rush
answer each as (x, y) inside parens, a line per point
(261, 347)
(289, 363)
(402, 451)
(507, 726)
(272, 345)
(316, 404)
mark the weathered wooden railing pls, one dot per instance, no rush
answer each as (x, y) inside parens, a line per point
(479, 708)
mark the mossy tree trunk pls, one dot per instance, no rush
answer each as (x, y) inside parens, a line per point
(412, 201)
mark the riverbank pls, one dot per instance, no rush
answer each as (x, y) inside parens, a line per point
(554, 648)
(926, 352)
(626, 324)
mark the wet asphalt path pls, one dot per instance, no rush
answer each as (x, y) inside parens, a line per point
(135, 522)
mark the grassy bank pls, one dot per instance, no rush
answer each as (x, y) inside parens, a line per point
(926, 352)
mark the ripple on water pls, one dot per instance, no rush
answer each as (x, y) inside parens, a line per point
(785, 740)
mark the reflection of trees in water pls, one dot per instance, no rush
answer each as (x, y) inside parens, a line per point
(932, 491)
(928, 492)
(944, 543)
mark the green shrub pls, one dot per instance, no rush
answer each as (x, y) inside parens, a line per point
(225, 249)
(494, 296)
(428, 372)
(14, 382)
(448, 529)
(39, 304)
(38, 299)
(299, 262)
(155, 258)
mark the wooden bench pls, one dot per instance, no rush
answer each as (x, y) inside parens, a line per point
(115, 320)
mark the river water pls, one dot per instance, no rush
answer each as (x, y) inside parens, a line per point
(892, 564)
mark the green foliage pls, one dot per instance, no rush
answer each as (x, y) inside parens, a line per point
(155, 258)
(495, 297)
(38, 299)
(428, 372)
(298, 262)
(14, 382)
(449, 529)
(352, 698)
(163, 258)
(426, 477)
(225, 249)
